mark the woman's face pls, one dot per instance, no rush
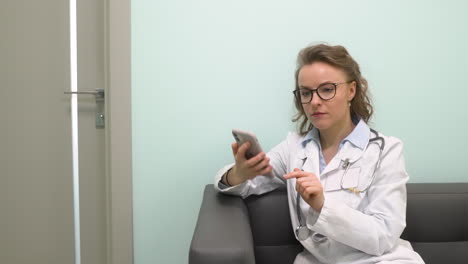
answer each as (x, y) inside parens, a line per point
(327, 114)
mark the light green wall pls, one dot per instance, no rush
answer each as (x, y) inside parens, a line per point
(201, 68)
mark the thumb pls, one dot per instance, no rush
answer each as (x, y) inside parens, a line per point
(235, 148)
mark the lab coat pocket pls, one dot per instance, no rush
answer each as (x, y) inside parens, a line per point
(342, 180)
(340, 186)
(351, 178)
(351, 182)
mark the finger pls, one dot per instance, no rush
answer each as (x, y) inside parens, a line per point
(309, 178)
(266, 170)
(262, 164)
(307, 184)
(311, 191)
(240, 155)
(295, 174)
(290, 175)
(299, 187)
(243, 148)
(254, 161)
(307, 191)
(299, 174)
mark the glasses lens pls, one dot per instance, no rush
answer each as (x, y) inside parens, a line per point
(305, 95)
(326, 91)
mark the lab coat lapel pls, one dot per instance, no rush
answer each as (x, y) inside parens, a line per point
(333, 172)
(311, 153)
(349, 152)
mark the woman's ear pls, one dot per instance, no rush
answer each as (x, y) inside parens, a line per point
(351, 91)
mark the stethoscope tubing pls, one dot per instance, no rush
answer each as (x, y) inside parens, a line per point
(347, 164)
(302, 232)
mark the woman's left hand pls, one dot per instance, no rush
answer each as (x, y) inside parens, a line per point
(309, 187)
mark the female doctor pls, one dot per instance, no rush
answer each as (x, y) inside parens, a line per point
(345, 181)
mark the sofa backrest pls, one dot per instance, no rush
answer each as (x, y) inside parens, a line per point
(437, 221)
(437, 214)
(271, 228)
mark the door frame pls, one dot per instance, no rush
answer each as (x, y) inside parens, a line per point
(119, 131)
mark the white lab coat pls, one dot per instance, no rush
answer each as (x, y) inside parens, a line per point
(351, 228)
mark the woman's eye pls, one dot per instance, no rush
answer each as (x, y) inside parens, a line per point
(326, 89)
(305, 93)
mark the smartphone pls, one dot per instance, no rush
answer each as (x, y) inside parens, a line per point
(243, 136)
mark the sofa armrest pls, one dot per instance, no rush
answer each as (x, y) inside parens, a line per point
(222, 233)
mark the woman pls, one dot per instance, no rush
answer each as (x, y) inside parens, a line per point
(346, 183)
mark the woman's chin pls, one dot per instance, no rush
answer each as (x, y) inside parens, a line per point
(321, 124)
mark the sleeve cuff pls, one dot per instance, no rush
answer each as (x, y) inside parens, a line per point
(222, 186)
(321, 220)
(312, 217)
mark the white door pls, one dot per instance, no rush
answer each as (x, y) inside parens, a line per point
(36, 169)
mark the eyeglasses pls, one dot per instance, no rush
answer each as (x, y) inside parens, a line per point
(325, 91)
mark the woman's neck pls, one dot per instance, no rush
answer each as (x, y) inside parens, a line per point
(332, 137)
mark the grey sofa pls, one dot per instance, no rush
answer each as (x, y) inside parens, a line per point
(258, 229)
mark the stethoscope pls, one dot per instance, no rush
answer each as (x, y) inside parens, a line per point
(302, 232)
(347, 164)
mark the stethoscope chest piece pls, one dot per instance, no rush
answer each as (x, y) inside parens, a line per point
(302, 232)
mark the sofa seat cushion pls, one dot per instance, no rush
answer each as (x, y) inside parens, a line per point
(277, 254)
(442, 252)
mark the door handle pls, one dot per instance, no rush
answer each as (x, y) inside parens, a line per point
(99, 94)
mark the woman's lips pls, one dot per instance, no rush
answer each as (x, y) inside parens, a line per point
(318, 114)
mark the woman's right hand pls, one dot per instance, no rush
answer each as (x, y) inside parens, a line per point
(246, 169)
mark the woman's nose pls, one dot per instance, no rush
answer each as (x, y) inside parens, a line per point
(316, 100)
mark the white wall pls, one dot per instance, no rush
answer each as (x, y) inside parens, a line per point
(201, 68)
